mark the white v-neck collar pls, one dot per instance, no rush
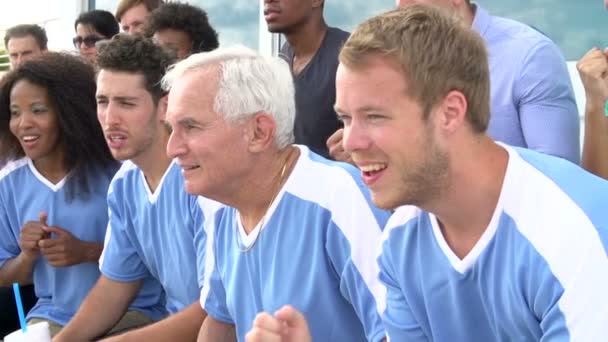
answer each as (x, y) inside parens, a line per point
(43, 180)
(153, 196)
(245, 239)
(465, 264)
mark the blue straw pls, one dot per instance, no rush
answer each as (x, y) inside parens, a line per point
(19, 307)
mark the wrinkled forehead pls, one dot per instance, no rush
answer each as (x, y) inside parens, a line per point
(194, 90)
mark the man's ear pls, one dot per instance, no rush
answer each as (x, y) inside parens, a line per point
(261, 132)
(452, 111)
(317, 3)
(161, 108)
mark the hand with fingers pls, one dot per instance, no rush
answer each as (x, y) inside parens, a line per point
(62, 249)
(31, 234)
(593, 69)
(336, 150)
(287, 325)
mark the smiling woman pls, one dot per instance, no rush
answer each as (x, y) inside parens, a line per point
(59, 163)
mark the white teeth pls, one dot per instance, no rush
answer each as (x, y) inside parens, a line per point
(373, 167)
(29, 138)
(116, 138)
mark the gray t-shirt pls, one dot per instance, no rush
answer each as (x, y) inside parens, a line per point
(315, 86)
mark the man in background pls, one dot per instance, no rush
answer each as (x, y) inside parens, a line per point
(133, 14)
(312, 53)
(181, 28)
(24, 42)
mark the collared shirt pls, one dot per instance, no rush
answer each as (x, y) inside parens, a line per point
(532, 101)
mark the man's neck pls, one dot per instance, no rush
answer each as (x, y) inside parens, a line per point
(256, 197)
(154, 162)
(306, 41)
(467, 13)
(467, 206)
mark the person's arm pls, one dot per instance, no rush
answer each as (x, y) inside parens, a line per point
(182, 326)
(593, 69)
(20, 268)
(105, 304)
(17, 270)
(216, 331)
(546, 103)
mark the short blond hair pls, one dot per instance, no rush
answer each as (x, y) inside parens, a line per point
(436, 51)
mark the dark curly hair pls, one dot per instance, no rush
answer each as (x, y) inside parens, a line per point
(187, 18)
(25, 30)
(100, 20)
(136, 54)
(70, 83)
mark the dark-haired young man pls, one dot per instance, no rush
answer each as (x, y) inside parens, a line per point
(149, 250)
(182, 28)
(24, 42)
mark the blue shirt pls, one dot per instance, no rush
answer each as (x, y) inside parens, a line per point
(532, 101)
(538, 273)
(24, 194)
(316, 251)
(151, 237)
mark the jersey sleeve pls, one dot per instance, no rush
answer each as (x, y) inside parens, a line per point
(213, 294)
(546, 103)
(575, 309)
(200, 237)
(400, 323)
(120, 260)
(353, 244)
(9, 243)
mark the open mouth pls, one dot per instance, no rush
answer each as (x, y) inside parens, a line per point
(30, 138)
(372, 169)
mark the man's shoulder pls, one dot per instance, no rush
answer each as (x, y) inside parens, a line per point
(126, 173)
(338, 34)
(12, 166)
(510, 31)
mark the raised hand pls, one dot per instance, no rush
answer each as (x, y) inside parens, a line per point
(64, 249)
(31, 233)
(334, 145)
(593, 69)
(287, 325)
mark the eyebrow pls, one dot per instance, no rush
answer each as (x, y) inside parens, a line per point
(117, 98)
(361, 109)
(187, 121)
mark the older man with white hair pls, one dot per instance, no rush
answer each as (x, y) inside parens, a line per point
(292, 227)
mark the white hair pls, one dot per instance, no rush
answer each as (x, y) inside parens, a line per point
(249, 83)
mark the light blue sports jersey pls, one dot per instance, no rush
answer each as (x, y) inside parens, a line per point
(538, 273)
(317, 252)
(24, 194)
(151, 237)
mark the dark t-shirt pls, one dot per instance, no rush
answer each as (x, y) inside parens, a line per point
(315, 87)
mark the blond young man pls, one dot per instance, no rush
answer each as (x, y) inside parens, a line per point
(488, 242)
